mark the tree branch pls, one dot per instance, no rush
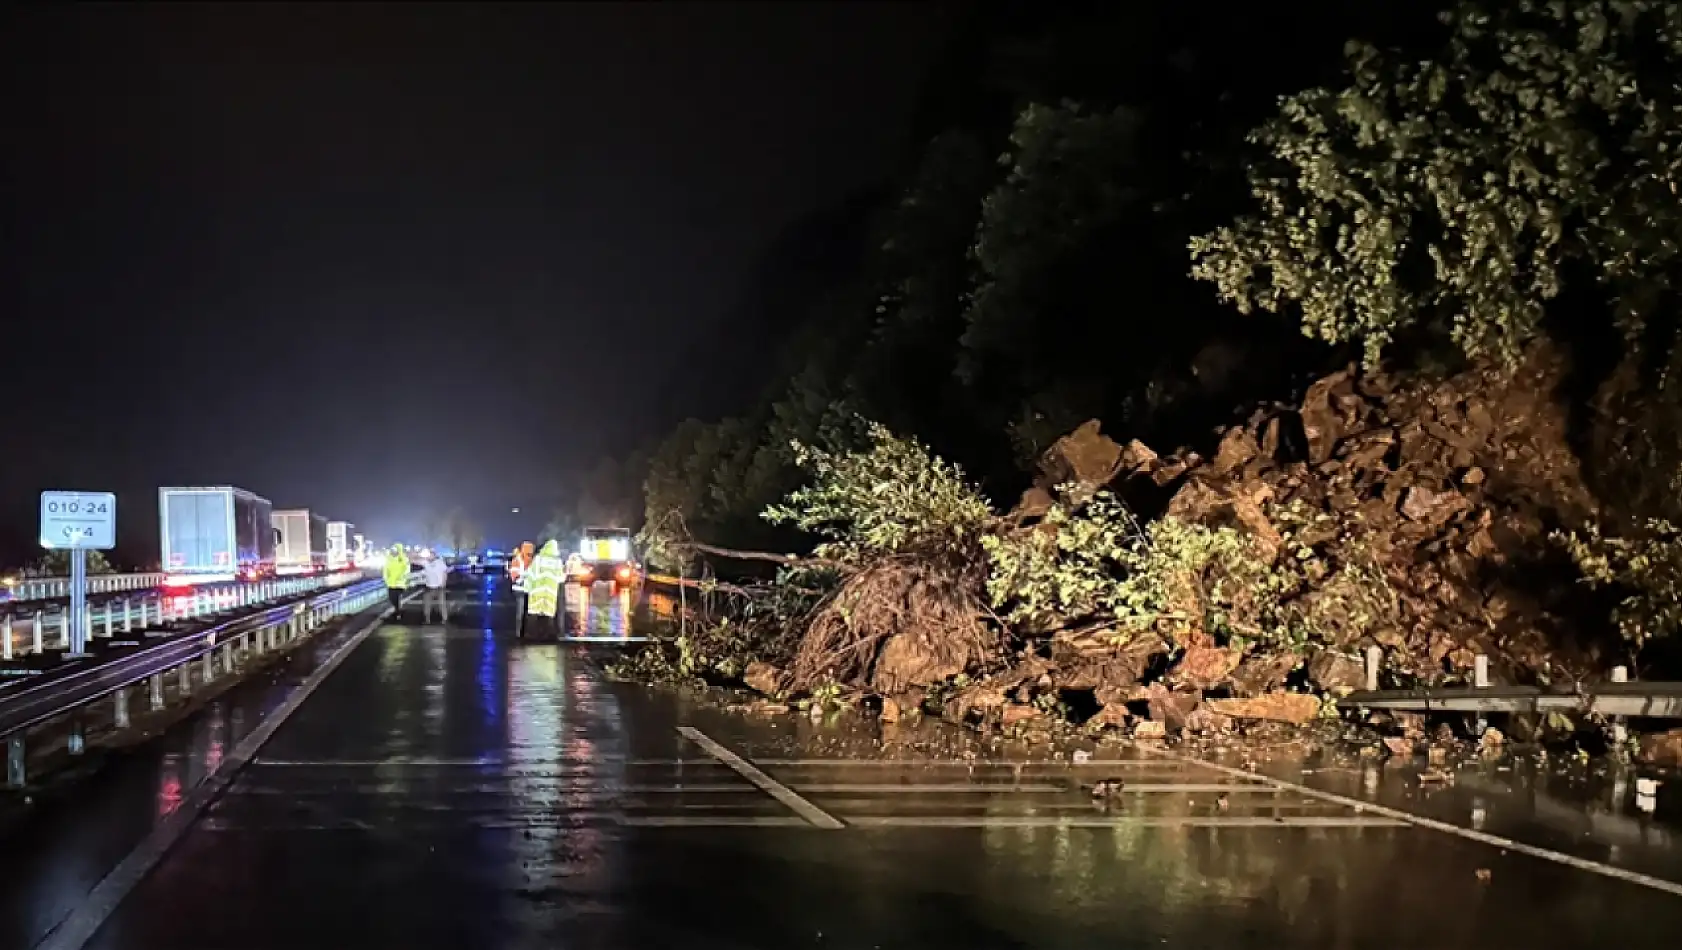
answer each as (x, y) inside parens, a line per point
(788, 560)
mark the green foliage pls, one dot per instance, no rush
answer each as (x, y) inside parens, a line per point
(1175, 575)
(1454, 194)
(717, 651)
(1646, 569)
(660, 542)
(891, 497)
(1098, 560)
(1070, 565)
(1187, 574)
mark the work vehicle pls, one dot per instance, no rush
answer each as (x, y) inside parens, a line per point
(605, 555)
(215, 534)
(341, 545)
(300, 542)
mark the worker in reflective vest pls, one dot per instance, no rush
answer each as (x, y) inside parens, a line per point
(518, 563)
(396, 574)
(543, 585)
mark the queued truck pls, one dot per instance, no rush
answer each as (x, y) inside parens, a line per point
(217, 533)
(300, 541)
(342, 545)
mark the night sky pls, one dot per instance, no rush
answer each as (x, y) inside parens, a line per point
(380, 260)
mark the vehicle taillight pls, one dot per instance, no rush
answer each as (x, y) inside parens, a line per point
(624, 573)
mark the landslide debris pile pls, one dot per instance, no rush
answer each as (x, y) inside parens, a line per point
(1413, 515)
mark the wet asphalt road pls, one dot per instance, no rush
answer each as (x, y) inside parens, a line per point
(448, 787)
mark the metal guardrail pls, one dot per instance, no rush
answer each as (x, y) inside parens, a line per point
(47, 588)
(220, 646)
(48, 624)
(1618, 697)
(1660, 700)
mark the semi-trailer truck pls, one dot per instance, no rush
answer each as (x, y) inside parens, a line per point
(300, 541)
(341, 545)
(216, 533)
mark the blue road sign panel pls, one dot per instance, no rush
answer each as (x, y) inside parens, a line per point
(79, 519)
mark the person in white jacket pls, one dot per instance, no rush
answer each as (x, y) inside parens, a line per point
(436, 574)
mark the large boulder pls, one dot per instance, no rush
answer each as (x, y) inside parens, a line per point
(1085, 459)
(763, 678)
(1441, 486)
(1663, 748)
(1294, 708)
(1336, 673)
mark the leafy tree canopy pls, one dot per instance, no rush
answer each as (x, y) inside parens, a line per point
(1454, 195)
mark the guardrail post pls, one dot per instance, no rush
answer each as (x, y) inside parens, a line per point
(39, 647)
(128, 615)
(1620, 729)
(119, 708)
(6, 638)
(155, 692)
(16, 763)
(209, 665)
(245, 645)
(184, 678)
(1375, 656)
(1480, 680)
(64, 629)
(77, 741)
(108, 618)
(228, 658)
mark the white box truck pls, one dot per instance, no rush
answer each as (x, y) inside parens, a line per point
(341, 545)
(215, 534)
(300, 541)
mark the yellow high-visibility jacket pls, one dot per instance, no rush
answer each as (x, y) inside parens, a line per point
(396, 567)
(543, 581)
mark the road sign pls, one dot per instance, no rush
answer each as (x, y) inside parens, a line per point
(79, 519)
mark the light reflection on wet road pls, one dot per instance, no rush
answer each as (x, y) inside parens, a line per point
(448, 787)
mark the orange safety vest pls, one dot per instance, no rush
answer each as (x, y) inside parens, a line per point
(517, 565)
